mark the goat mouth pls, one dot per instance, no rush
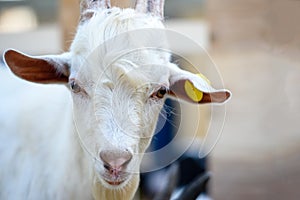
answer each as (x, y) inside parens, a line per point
(114, 183)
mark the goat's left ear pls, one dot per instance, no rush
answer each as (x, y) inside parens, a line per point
(39, 69)
(196, 88)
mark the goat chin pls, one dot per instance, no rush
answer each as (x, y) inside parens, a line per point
(124, 191)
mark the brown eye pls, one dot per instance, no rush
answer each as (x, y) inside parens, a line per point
(75, 87)
(160, 93)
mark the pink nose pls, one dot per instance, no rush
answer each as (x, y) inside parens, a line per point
(115, 161)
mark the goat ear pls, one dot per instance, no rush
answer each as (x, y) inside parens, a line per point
(39, 69)
(196, 89)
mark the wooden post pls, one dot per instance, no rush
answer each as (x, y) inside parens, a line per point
(120, 3)
(69, 17)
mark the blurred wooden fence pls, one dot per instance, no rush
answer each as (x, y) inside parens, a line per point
(236, 22)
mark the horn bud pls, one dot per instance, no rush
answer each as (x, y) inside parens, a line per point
(88, 7)
(155, 7)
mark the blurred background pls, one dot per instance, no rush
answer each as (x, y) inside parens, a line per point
(256, 46)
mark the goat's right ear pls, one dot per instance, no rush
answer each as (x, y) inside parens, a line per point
(39, 69)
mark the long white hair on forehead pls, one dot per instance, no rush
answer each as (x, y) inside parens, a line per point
(106, 24)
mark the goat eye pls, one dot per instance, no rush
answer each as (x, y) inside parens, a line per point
(75, 87)
(160, 93)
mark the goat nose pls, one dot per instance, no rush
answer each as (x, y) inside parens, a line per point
(115, 159)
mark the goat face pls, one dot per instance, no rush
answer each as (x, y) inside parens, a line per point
(115, 115)
(117, 96)
(116, 101)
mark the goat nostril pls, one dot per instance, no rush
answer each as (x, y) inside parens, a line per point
(115, 159)
(107, 167)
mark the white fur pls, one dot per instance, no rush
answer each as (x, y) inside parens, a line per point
(117, 112)
(38, 149)
(41, 155)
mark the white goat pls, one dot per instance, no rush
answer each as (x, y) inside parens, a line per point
(41, 157)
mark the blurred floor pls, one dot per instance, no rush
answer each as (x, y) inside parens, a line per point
(258, 154)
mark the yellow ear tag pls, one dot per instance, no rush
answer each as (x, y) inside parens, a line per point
(192, 92)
